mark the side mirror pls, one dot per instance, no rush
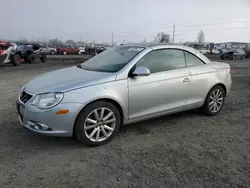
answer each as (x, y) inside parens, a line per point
(141, 71)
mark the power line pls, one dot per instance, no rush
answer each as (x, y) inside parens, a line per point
(180, 26)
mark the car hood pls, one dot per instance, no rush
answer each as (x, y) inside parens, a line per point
(67, 79)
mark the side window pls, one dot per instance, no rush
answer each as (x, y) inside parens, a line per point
(163, 60)
(192, 60)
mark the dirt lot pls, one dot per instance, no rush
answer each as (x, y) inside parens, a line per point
(182, 150)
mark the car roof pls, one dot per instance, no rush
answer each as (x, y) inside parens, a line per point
(157, 46)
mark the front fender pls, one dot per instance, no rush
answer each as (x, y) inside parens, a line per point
(116, 91)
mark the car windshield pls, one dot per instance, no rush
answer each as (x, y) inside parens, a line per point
(112, 60)
(20, 47)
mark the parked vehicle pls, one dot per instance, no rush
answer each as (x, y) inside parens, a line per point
(8, 54)
(81, 50)
(66, 49)
(233, 54)
(30, 52)
(122, 85)
(204, 51)
(247, 51)
(215, 52)
(48, 50)
(100, 49)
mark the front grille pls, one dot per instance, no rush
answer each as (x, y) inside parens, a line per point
(25, 97)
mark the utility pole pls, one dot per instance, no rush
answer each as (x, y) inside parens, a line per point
(173, 33)
(112, 38)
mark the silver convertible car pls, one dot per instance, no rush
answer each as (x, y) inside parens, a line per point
(122, 85)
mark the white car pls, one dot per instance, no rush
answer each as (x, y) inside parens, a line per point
(81, 50)
(215, 51)
(204, 51)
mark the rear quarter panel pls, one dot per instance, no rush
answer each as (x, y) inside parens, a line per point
(204, 78)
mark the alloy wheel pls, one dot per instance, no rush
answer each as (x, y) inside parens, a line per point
(216, 100)
(99, 124)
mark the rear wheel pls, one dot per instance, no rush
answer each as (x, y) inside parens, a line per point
(15, 60)
(52, 52)
(31, 59)
(214, 101)
(97, 124)
(43, 58)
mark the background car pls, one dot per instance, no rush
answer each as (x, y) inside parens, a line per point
(8, 54)
(81, 50)
(215, 52)
(247, 51)
(233, 54)
(48, 50)
(67, 49)
(30, 52)
(204, 51)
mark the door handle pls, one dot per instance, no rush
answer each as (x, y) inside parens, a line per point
(186, 80)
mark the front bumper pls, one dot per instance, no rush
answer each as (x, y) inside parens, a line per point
(47, 122)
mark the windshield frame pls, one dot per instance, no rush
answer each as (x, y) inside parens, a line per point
(142, 48)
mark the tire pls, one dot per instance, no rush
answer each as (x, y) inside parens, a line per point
(15, 60)
(31, 59)
(25, 58)
(43, 58)
(84, 136)
(52, 52)
(208, 106)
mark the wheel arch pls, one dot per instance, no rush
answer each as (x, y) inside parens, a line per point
(219, 84)
(112, 101)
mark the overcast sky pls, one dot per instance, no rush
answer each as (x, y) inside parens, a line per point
(129, 20)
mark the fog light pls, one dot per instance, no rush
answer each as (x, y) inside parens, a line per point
(38, 126)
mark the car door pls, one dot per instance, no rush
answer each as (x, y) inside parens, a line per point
(201, 83)
(45, 50)
(164, 90)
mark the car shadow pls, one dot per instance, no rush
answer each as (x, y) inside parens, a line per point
(22, 138)
(146, 126)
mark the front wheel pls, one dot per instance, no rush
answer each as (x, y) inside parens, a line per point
(97, 124)
(15, 60)
(214, 101)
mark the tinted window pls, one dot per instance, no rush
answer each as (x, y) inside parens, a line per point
(163, 60)
(192, 60)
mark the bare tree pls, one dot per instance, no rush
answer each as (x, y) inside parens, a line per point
(70, 41)
(80, 43)
(201, 37)
(162, 38)
(55, 41)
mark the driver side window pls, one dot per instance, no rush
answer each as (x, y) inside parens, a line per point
(163, 60)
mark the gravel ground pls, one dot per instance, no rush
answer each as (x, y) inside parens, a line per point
(183, 150)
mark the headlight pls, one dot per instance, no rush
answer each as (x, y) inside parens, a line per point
(47, 100)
